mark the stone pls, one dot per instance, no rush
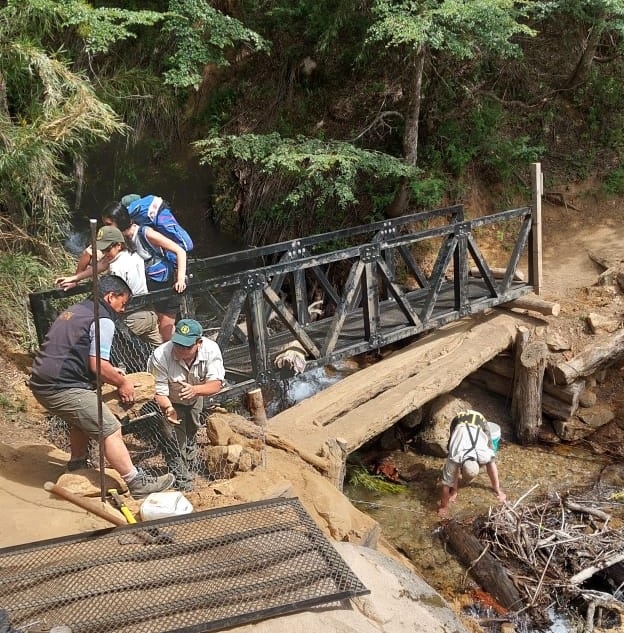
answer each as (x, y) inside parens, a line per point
(587, 398)
(433, 438)
(556, 342)
(599, 323)
(596, 416)
(86, 482)
(218, 430)
(572, 429)
(144, 392)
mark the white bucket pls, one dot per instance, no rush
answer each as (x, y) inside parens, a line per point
(495, 432)
(159, 505)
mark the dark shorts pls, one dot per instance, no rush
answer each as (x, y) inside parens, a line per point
(79, 408)
(167, 305)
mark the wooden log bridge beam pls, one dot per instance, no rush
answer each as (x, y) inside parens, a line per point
(365, 404)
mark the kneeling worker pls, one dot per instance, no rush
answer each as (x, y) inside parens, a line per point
(469, 447)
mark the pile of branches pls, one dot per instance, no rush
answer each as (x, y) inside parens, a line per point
(561, 550)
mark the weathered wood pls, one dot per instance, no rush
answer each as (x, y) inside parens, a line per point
(497, 273)
(486, 570)
(526, 401)
(588, 572)
(603, 351)
(501, 385)
(535, 241)
(255, 405)
(336, 453)
(571, 394)
(535, 304)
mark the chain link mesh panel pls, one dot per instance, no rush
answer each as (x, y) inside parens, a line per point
(201, 572)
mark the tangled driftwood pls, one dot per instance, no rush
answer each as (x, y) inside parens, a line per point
(560, 549)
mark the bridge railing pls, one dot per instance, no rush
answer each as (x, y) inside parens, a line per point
(339, 294)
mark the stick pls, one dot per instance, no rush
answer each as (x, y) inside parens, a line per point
(85, 504)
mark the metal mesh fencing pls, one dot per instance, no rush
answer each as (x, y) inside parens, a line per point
(200, 572)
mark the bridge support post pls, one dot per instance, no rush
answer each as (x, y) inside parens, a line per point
(535, 239)
(335, 450)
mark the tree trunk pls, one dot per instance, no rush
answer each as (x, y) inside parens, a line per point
(399, 204)
(583, 66)
(526, 404)
(487, 571)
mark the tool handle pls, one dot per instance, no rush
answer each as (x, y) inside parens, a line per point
(125, 510)
(85, 504)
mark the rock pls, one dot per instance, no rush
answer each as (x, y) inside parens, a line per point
(218, 430)
(86, 482)
(144, 392)
(399, 602)
(596, 416)
(572, 429)
(556, 342)
(433, 438)
(587, 398)
(599, 323)
(546, 433)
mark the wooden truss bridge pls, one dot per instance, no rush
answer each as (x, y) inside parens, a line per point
(370, 284)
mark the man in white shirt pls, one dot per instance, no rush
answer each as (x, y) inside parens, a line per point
(186, 369)
(130, 267)
(470, 446)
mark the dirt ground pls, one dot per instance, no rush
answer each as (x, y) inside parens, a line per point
(583, 223)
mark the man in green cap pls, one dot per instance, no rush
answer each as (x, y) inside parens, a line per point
(187, 368)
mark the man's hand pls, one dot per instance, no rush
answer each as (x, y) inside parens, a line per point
(188, 392)
(171, 415)
(500, 495)
(126, 391)
(66, 282)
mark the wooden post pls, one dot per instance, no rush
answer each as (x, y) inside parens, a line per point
(255, 404)
(526, 401)
(535, 241)
(336, 451)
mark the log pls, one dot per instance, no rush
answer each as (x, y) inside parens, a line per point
(601, 352)
(526, 401)
(497, 273)
(486, 570)
(571, 394)
(255, 404)
(535, 304)
(552, 406)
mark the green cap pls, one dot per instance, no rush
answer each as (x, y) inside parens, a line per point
(129, 198)
(107, 236)
(187, 331)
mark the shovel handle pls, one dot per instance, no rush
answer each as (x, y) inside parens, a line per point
(85, 504)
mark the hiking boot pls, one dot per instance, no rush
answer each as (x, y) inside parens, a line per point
(79, 464)
(144, 484)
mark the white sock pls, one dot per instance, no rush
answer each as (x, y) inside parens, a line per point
(131, 475)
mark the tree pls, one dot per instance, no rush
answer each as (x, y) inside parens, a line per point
(418, 29)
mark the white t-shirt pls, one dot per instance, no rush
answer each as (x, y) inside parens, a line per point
(130, 267)
(469, 441)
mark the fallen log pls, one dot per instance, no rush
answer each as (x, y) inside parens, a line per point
(535, 304)
(486, 570)
(600, 352)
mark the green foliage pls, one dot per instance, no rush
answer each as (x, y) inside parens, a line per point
(359, 476)
(428, 192)
(614, 182)
(21, 274)
(462, 29)
(321, 171)
(201, 35)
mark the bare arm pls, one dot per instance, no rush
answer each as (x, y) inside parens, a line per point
(72, 280)
(492, 472)
(113, 376)
(157, 239)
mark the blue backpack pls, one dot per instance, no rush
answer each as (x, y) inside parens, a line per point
(154, 212)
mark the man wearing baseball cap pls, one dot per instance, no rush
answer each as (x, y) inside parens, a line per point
(187, 368)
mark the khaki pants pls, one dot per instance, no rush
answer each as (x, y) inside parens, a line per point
(144, 323)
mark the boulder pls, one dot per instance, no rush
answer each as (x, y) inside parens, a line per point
(433, 438)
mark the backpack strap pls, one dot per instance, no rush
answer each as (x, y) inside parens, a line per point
(473, 440)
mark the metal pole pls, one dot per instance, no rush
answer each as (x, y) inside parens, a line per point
(98, 359)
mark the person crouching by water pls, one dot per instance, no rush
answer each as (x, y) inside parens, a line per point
(186, 369)
(469, 448)
(63, 376)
